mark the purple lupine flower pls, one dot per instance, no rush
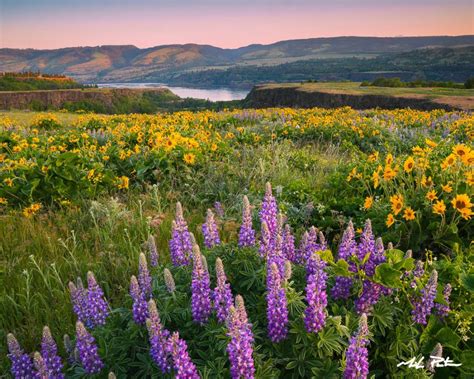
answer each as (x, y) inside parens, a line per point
(22, 365)
(49, 352)
(288, 271)
(277, 311)
(152, 250)
(347, 249)
(139, 308)
(315, 312)
(366, 244)
(322, 242)
(222, 295)
(417, 273)
(169, 281)
(442, 310)
(288, 248)
(87, 350)
(144, 277)
(275, 255)
(210, 231)
(158, 337)
(240, 347)
(180, 243)
(425, 302)
(301, 251)
(269, 210)
(265, 241)
(200, 288)
(79, 300)
(437, 352)
(40, 366)
(98, 309)
(183, 366)
(69, 348)
(246, 233)
(219, 209)
(376, 257)
(369, 297)
(357, 355)
(311, 243)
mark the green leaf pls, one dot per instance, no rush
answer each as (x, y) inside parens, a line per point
(341, 268)
(395, 255)
(447, 337)
(326, 255)
(467, 281)
(388, 276)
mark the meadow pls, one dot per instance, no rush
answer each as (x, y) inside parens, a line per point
(271, 264)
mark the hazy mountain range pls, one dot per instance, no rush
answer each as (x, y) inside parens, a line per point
(168, 62)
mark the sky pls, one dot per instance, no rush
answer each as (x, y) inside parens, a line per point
(50, 24)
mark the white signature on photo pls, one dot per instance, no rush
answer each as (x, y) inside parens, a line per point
(434, 362)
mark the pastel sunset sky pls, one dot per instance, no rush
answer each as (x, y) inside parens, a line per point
(224, 23)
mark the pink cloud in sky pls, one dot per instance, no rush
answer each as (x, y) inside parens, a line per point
(224, 28)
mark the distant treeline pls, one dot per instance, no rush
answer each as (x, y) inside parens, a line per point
(398, 83)
(30, 81)
(455, 65)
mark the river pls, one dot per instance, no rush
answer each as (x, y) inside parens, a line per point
(214, 94)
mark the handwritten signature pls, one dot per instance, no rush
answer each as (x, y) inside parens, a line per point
(432, 363)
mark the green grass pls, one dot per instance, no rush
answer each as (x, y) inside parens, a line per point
(355, 88)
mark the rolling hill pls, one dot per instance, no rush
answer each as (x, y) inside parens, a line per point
(129, 63)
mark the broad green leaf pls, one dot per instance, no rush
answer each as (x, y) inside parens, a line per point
(388, 276)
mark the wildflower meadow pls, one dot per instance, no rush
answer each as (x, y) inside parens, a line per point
(275, 243)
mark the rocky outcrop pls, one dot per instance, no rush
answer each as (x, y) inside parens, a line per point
(264, 97)
(55, 99)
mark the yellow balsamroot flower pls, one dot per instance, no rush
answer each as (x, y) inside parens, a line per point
(352, 174)
(461, 202)
(31, 210)
(397, 203)
(376, 179)
(431, 195)
(389, 173)
(426, 181)
(430, 143)
(369, 200)
(439, 207)
(359, 230)
(461, 150)
(409, 214)
(409, 164)
(449, 161)
(417, 150)
(123, 182)
(3, 201)
(189, 158)
(390, 220)
(466, 213)
(389, 159)
(374, 156)
(470, 178)
(468, 159)
(447, 187)
(8, 182)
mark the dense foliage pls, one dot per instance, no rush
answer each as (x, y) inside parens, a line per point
(397, 83)
(294, 312)
(34, 81)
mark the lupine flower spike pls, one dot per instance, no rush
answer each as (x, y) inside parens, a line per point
(424, 304)
(210, 231)
(246, 233)
(183, 366)
(139, 308)
(436, 353)
(442, 310)
(357, 363)
(158, 337)
(79, 301)
(347, 249)
(269, 211)
(98, 309)
(152, 250)
(22, 366)
(240, 347)
(222, 295)
(288, 244)
(144, 277)
(200, 289)
(87, 350)
(49, 353)
(40, 366)
(277, 312)
(169, 281)
(180, 243)
(315, 313)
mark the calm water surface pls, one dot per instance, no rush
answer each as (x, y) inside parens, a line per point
(215, 94)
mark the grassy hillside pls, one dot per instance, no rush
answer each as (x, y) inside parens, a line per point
(23, 83)
(118, 63)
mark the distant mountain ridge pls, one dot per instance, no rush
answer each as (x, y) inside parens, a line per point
(130, 63)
